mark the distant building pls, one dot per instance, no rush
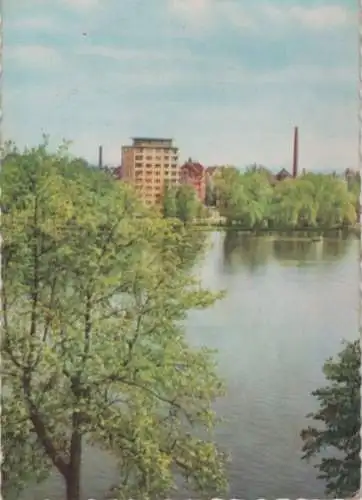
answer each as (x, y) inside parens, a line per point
(149, 164)
(283, 174)
(194, 174)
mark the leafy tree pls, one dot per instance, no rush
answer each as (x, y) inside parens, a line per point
(258, 193)
(293, 204)
(244, 198)
(335, 205)
(93, 301)
(186, 203)
(252, 200)
(229, 193)
(169, 208)
(210, 195)
(340, 422)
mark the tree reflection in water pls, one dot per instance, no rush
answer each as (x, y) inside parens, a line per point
(253, 252)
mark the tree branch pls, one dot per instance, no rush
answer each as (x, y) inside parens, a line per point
(41, 431)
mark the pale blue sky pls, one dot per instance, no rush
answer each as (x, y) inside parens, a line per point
(228, 79)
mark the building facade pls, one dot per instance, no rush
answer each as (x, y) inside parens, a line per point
(149, 164)
(194, 174)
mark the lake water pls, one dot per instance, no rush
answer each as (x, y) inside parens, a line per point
(288, 305)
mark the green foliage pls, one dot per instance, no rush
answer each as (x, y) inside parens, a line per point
(210, 195)
(95, 292)
(354, 187)
(187, 203)
(337, 436)
(169, 205)
(252, 200)
(182, 203)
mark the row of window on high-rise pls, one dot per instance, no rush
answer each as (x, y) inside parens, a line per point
(156, 158)
(156, 165)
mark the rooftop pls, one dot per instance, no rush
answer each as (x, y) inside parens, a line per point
(193, 167)
(151, 139)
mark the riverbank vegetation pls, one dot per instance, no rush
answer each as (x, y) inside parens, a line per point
(181, 202)
(253, 201)
(337, 424)
(95, 291)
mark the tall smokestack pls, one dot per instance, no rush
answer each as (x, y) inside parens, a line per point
(295, 153)
(100, 157)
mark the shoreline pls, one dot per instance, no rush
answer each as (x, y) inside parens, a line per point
(313, 231)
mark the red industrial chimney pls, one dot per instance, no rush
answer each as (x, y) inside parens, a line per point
(295, 153)
(100, 157)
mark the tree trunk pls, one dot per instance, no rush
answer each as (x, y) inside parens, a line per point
(73, 476)
(73, 487)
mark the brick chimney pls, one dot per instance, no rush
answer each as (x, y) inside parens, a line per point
(100, 157)
(295, 153)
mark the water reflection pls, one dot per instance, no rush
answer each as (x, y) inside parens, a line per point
(241, 249)
(255, 251)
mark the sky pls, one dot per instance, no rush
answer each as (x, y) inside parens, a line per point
(227, 79)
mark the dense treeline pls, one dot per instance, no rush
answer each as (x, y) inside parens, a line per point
(253, 200)
(181, 202)
(95, 290)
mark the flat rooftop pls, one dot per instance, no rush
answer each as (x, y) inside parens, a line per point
(151, 139)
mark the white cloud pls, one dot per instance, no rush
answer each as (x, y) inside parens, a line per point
(251, 14)
(206, 13)
(328, 16)
(317, 17)
(194, 14)
(34, 56)
(82, 5)
(307, 75)
(122, 54)
(190, 8)
(32, 23)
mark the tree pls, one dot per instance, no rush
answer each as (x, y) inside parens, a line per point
(335, 204)
(210, 196)
(244, 198)
(93, 300)
(186, 203)
(294, 204)
(254, 200)
(339, 416)
(169, 208)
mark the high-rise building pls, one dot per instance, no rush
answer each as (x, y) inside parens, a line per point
(149, 164)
